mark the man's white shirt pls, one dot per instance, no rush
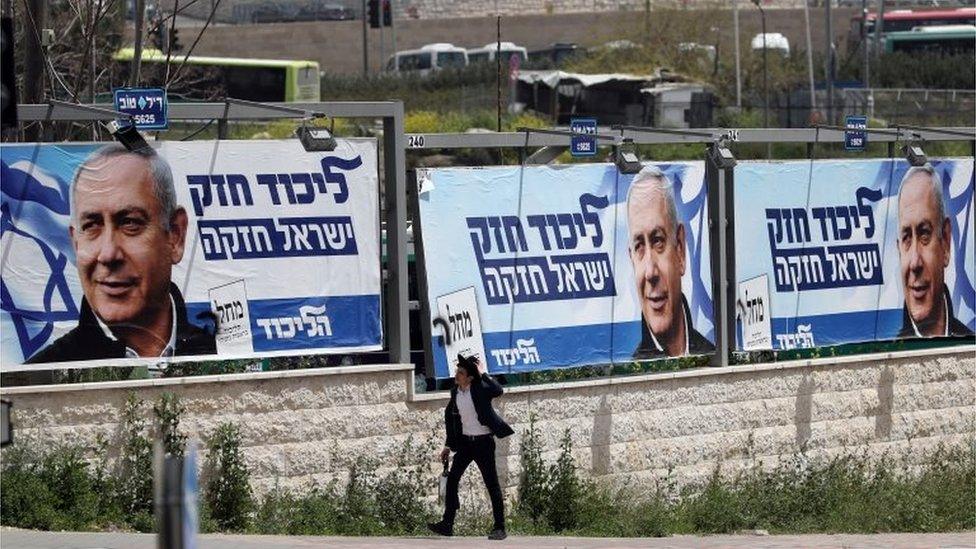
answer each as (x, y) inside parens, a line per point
(168, 350)
(469, 417)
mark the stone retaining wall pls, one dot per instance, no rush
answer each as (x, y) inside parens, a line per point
(300, 427)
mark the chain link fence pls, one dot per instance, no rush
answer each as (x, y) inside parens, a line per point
(913, 106)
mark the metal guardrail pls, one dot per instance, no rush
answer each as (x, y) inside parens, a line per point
(743, 135)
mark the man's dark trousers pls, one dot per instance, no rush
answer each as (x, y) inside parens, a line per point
(481, 450)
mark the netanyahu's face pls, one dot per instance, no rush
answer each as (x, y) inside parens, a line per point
(924, 249)
(657, 254)
(124, 252)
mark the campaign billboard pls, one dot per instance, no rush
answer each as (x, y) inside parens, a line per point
(857, 250)
(187, 251)
(570, 265)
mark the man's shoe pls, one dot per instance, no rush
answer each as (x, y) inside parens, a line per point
(497, 534)
(440, 528)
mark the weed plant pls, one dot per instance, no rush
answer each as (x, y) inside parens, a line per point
(227, 493)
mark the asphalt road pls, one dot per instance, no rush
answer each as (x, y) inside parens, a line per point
(26, 539)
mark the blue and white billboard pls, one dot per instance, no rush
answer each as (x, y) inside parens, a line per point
(858, 250)
(571, 265)
(208, 249)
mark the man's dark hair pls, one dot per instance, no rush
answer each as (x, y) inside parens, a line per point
(469, 365)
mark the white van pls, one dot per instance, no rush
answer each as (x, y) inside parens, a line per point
(487, 53)
(431, 57)
(774, 41)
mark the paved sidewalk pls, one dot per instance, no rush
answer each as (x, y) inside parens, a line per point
(13, 538)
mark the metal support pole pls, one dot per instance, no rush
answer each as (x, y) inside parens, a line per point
(365, 15)
(395, 199)
(140, 17)
(829, 63)
(762, 16)
(738, 70)
(722, 219)
(765, 54)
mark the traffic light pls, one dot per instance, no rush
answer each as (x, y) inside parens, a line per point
(373, 7)
(380, 12)
(8, 88)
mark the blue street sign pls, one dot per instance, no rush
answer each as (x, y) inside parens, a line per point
(146, 105)
(583, 145)
(855, 140)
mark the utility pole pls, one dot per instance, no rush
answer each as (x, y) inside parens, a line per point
(762, 15)
(365, 14)
(498, 67)
(866, 74)
(393, 27)
(879, 27)
(382, 45)
(738, 71)
(829, 63)
(34, 81)
(140, 17)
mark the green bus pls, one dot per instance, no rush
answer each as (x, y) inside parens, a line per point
(942, 40)
(213, 78)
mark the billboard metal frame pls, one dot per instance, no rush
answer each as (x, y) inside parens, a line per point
(550, 143)
(394, 185)
(397, 143)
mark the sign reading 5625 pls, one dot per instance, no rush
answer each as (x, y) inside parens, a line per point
(146, 105)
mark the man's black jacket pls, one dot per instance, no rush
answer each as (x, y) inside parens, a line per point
(955, 328)
(697, 344)
(87, 341)
(482, 391)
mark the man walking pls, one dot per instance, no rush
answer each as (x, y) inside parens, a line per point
(472, 424)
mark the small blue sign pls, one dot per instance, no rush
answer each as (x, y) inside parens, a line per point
(583, 145)
(146, 105)
(855, 138)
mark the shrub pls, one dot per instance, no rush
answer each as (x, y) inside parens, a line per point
(133, 478)
(168, 411)
(25, 499)
(533, 483)
(53, 489)
(400, 493)
(227, 491)
(565, 489)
